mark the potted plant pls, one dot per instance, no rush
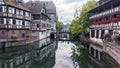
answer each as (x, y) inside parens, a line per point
(107, 37)
(117, 37)
(13, 37)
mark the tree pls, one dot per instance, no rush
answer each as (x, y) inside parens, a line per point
(58, 25)
(81, 23)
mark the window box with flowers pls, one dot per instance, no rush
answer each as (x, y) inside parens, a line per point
(13, 37)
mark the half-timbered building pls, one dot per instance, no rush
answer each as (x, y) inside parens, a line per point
(40, 24)
(105, 18)
(14, 21)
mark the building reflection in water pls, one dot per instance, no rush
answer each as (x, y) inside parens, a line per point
(85, 59)
(81, 56)
(40, 54)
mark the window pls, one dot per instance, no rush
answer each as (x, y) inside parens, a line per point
(10, 10)
(23, 23)
(1, 9)
(5, 9)
(20, 32)
(36, 17)
(102, 33)
(3, 32)
(20, 12)
(93, 33)
(13, 32)
(111, 32)
(37, 25)
(14, 10)
(14, 22)
(2, 65)
(27, 14)
(1, 21)
(24, 13)
(97, 34)
(23, 35)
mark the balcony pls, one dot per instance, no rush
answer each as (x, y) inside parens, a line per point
(17, 16)
(105, 21)
(111, 11)
(4, 26)
(2, 14)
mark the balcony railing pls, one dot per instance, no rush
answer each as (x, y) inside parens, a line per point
(105, 21)
(15, 15)
(3, 26)
(3, 14)
(106, 12)
(19, 16)
(14, 26)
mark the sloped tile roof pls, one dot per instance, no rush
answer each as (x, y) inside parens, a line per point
(16, 4)
(35, 6)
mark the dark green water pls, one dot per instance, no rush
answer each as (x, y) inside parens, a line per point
(47, 54)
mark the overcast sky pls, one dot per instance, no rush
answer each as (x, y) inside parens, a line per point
(66, 8)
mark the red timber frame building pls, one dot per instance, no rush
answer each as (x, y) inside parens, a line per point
(105, 18)
(15, 21)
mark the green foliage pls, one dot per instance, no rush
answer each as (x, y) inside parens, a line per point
(116, 37)
(59, 25)
(81, 23)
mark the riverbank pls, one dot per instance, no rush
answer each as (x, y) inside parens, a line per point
(23, 42)
(108, 49)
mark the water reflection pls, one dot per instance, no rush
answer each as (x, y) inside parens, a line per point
(40, 54)
(63, 55)
(44, 55)
(48, 54)
(84, 59)
(13, 59)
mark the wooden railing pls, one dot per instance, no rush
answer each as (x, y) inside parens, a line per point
(104, 22)
(3, 26)
(14, 26)
(14, 15)
(3, 14)
(106, 12)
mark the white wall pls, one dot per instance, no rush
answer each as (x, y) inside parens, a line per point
(36, 34)
(43, 35)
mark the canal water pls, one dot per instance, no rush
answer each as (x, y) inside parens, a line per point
(48, 54)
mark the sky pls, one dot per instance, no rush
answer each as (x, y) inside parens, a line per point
(66, 9)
